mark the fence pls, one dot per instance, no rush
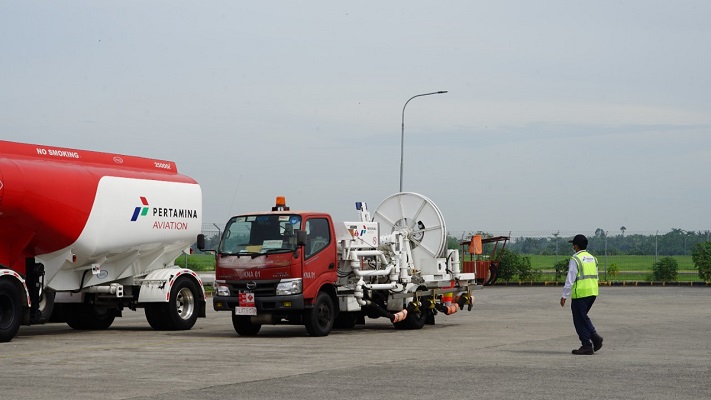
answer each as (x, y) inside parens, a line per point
(632, 252)
(629, 252)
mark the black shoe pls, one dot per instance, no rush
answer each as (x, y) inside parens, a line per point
(597, 342)
(584, 350)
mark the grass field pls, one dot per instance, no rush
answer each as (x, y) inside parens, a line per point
(624, 263)
(631, 268)
(197, 262)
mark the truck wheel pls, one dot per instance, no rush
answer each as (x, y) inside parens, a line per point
(10, 311)
(59, 313)
(415, 319)
(155, 313)
(46, 305)
(180, 312)
(243, 326)
(319, 319)
(346, 320)
(89, 316)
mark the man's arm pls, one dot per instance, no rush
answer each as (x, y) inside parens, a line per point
(569, 280)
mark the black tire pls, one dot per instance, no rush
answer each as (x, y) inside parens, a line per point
(346, 320)
(46, 305)
(89, 316)
(155, 315)
(319, 319)
(59, 313)
(10, 310)
(180, 312)
(243, 326)
(493, 274)
(414, 319)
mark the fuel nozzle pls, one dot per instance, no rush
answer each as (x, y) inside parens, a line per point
(466, 299)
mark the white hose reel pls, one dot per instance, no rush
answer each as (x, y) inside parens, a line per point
(422, 219)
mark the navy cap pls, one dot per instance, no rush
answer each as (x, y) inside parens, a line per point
(580, 240)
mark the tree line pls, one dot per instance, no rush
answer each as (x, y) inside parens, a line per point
(677, 242)
(515, 262)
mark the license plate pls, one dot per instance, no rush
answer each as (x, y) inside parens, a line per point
(245, 310)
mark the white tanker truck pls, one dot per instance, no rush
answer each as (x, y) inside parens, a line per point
(85, 234)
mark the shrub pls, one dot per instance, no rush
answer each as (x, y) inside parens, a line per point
(701, 255)
(507, 266)
(514, 265)
(561, 269)
(524, 269)
(665, 270)
(613, 270)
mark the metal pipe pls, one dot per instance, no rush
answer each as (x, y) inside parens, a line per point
(114, 288)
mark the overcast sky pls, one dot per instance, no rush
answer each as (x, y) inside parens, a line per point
(561, 115)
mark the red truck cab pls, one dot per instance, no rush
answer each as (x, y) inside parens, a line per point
(278, 267)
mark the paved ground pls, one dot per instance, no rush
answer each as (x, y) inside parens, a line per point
(515, 344)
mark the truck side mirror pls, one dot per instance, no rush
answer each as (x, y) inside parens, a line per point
(201, 242)
(300, 237)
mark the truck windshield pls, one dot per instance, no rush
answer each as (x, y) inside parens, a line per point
(260, 234)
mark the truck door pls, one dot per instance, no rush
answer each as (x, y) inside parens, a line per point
(319, 255)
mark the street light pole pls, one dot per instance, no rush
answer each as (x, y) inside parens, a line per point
(402, 134)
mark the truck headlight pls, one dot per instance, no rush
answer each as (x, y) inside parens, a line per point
(288, 286)
(221, 289)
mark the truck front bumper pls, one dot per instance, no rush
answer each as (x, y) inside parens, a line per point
(273, 304)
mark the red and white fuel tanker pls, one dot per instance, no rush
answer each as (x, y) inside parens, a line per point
(84, 234)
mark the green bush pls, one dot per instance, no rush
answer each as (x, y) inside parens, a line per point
(561, 269)
(514, 265)
(613, 270)
(524, 270)
(507, 266)
(701, 255)
(665, 270)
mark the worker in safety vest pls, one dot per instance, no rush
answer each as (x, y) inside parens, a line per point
(581, 285)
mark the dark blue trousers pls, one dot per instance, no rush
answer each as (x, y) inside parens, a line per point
(583, 325)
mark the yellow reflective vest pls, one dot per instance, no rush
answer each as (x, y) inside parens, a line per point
(585, 284)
